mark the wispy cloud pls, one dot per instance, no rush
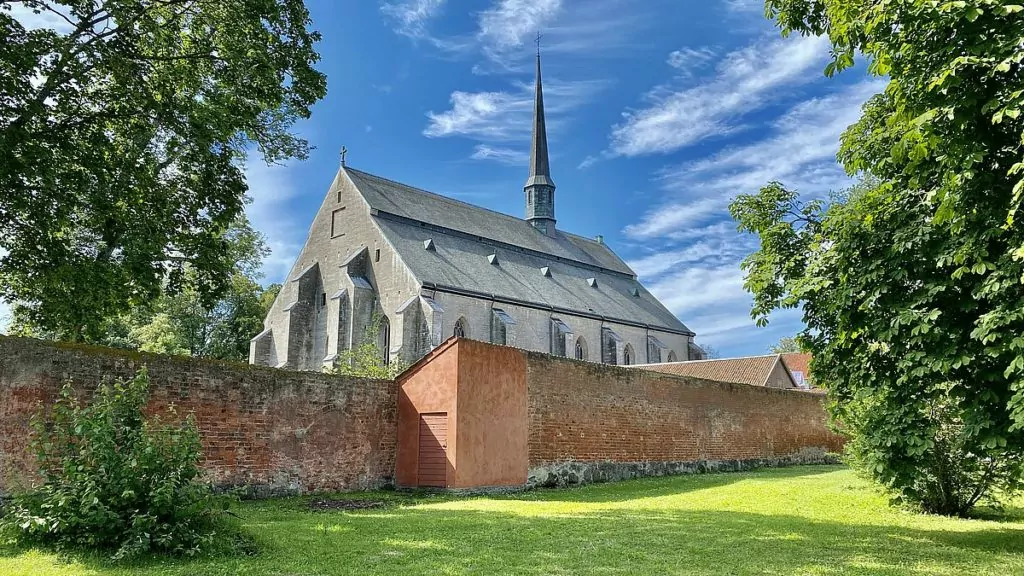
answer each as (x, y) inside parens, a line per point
(508, 23)
(505, 116)
(508, 156)
(53, 17)
(800, 150)
(746, 80)
(503, 33)
(702, 283)
(673, 216)
(745, 6)
(411, 17)
(688, 60)
(692, 252)
(272, 188)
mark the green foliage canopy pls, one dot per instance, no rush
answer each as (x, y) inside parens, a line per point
(911, 285)
(122, 136)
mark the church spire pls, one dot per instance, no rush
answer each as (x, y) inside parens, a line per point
(540, 189)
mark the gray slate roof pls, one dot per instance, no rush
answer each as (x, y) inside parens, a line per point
(394, 198)
(465, 235)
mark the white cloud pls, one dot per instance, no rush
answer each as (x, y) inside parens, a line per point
(799, 151)
(745, 80)
(720, 249)
(482, 115)
(508, 156)
(700, 288)
(411, 17)
(693, 249)
(673, 216)
(53, 17)
(272, 188)
(745, 6)
(489, 117)
(508, 23)
(687, 60)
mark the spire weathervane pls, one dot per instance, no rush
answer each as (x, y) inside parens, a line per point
(540, 189)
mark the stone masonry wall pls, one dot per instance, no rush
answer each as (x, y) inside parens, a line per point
(590, 422)
(271, 431)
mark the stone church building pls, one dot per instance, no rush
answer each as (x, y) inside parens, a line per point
(426, 267)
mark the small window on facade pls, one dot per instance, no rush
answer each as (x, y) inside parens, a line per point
(655, 350)
(501, 325)
(672, 356)
(627, 355)
(460, 328)
(581, 348)
(560, 335)
(529, 197)
(376, 255)
(336, 224)
(610, 345)
(323, 299)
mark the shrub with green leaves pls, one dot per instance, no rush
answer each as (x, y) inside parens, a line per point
(114, 479)
(366, 359)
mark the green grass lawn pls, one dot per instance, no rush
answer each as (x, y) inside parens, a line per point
(809, 520)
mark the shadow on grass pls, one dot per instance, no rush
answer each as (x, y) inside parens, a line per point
(665, 485)
(648, 538)
(425, 541)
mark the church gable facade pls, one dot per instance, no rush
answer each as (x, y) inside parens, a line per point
(425, 267)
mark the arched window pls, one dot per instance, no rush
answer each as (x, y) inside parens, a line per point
(384, 340)
(581, 348)
(460, 328)
(627, 355)
(672, 356)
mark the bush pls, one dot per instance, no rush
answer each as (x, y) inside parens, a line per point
(113, 479)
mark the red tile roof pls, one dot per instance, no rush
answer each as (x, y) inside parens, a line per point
(753, 370)
(798, 362)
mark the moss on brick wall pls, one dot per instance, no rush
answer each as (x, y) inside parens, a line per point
(272, 431)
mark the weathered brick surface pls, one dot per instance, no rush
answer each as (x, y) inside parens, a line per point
(271, 430)
(593, 413)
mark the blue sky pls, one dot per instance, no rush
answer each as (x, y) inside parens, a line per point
(659, 112)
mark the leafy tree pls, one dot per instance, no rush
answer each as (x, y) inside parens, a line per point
(182, 323)
(911, 286)
(122, 137)
(114, 479)
(785, 345)
(366, 360)
(710, 352)
(925, 402)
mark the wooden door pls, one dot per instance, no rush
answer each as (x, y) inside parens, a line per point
(433, 454)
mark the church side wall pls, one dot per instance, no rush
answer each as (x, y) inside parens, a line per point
(269, 431)
(341, 228)
(532, 330)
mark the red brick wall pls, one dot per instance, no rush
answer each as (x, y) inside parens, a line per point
(271, 430)
(591, 413)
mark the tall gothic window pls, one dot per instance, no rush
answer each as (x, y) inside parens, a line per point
(627, 355)
(384, 340)
(460, 328)
(672, 356)
(581, 348)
